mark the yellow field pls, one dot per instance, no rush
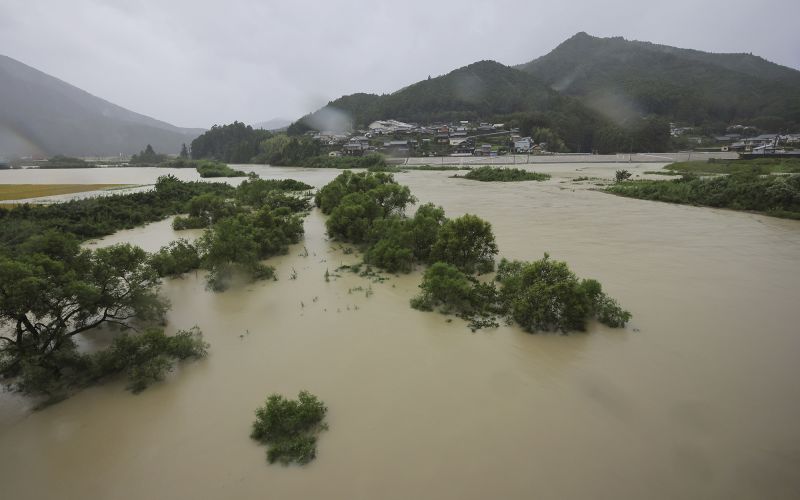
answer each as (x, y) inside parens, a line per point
(23, 191)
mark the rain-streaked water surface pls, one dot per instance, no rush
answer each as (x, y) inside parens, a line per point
(696, 398)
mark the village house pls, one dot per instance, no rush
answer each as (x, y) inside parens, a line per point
(523, 145)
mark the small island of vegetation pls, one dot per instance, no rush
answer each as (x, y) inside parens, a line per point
(495, 174)
(289, 428)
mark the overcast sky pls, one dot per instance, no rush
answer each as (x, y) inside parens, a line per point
(196, 63)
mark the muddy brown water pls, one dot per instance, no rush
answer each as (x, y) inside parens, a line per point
(696, 398)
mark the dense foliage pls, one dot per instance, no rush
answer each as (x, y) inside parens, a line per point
(289, 428)
(771, 194)
(281, 149)
(545, 295)
(447, 288)
(180, 256)
(330, 195)
(467, 243)
(234, 143)
(258, 221)
(52, 290)
(496, 174)
(539, 296)
(235, 246)
(369, 209)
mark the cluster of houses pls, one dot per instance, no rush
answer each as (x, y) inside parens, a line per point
(760, 143)
(405, 139)
(740, 138)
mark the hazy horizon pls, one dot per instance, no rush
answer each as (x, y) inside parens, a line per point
(195, 64)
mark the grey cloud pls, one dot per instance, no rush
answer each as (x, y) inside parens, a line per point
(195, 63)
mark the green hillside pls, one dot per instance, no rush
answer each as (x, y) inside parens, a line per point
(476, 92)
(482, 91)
(623, 79)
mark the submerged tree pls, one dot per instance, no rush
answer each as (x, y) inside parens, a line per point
(545, 295)
(467, 243)
(55, 290)
(289, 428)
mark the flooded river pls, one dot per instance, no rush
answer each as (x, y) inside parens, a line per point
(696, 398)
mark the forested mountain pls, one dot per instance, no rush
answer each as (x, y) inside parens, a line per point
(623, 79)
(490, 91)
(40, 114)
(482, 91)
(478, 91)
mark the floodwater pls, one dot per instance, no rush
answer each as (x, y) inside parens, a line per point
(696, 398)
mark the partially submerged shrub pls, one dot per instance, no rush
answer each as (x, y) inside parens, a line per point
(143, 358)
(289, 428)
(545, 295)
(180, 256)
(467, 243)
(146, 358)
(621, 175)
(448, 289)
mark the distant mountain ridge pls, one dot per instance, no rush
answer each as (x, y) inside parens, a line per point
(40, 114)
(699, 88)
(273, 124)
(620, 80)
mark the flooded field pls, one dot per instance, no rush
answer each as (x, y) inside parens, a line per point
(696, 398)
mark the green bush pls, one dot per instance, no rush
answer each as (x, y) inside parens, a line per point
(467, 243)
(238, 244)
(208, 168)
(545, 295)
(448, 289)
(289, 428)
(346, 183)
(177, 258)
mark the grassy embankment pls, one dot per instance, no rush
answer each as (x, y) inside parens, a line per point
(735, 184)
(712, 167)
(25, 191)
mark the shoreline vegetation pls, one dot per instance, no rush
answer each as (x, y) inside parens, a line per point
(52, 289)
(769, 186)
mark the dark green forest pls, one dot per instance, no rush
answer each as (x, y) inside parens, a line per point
(620, 77)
